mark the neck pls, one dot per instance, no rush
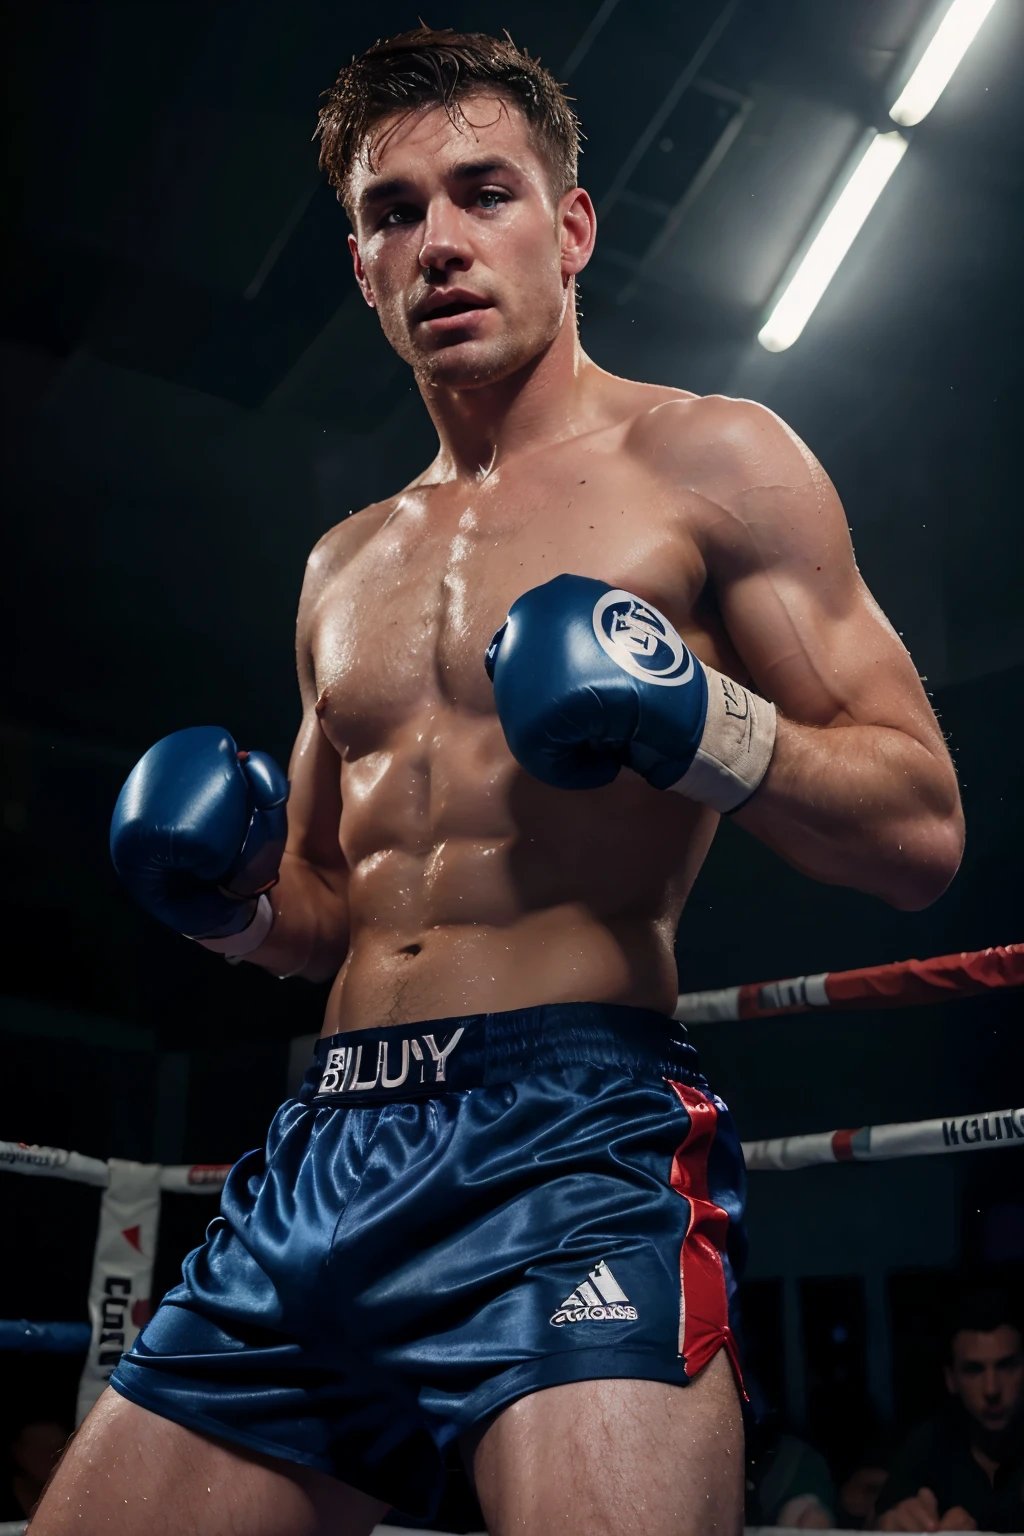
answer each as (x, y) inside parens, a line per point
(481, 426)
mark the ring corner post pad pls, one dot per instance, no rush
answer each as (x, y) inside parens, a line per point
(122, 1272)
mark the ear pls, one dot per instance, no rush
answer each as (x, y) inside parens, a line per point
(577, 231)
(950, 1380)
(361, 277)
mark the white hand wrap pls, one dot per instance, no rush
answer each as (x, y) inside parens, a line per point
(735, 749)
(235, 945)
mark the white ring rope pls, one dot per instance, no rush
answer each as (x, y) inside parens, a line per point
(873, 1143)
(55, 1163)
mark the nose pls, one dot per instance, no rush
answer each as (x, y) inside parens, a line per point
(445, 247)
(990, 1386)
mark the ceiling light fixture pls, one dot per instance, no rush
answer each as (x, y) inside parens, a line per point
(882, 154)
(818, 267)
(955, 35)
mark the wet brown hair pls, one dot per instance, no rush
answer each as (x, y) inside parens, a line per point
(440, 68)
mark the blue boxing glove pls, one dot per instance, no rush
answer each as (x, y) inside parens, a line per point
(197, 836)
(589, 679)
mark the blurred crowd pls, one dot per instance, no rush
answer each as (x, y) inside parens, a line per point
(960, 1470)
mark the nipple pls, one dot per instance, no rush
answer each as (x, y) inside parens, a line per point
(321, 704)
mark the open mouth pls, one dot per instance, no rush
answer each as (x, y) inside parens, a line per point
(454, 309)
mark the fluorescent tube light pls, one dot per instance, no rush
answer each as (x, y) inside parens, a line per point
(800, 298)
(955, 35)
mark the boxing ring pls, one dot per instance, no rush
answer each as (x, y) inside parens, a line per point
(120, 1302)
(905, 984)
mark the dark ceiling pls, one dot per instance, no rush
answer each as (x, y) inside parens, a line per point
(194, 391)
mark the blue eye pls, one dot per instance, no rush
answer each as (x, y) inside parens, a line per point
(491, 199)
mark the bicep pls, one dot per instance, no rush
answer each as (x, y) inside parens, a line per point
(314, 804)
(314, 769)
(796, 608)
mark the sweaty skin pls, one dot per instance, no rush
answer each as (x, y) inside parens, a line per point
(422, 860)
(472, 886)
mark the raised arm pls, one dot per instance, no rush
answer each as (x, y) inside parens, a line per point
(310, 901)
(860, 790)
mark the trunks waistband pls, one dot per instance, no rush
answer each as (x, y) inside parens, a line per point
(482, 1050)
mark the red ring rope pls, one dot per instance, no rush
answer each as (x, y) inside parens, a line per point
(905, 984)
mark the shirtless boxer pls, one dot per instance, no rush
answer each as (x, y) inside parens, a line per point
(505, 1207)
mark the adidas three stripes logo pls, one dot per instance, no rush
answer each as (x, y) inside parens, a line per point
(600, 1299)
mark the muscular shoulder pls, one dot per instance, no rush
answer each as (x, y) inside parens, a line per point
(329, 555)
(721, 448)
(338, 546)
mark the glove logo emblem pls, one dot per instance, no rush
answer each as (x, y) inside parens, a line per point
(641, 640)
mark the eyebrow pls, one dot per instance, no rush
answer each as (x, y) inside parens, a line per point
(468, 170)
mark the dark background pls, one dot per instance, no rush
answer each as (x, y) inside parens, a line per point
(193, 392)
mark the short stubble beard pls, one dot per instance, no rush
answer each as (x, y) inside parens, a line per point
(495, 360)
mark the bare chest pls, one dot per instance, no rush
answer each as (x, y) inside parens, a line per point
(402, 628)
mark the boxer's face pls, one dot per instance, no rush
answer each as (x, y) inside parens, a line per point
(987, 1374)
(460, 244)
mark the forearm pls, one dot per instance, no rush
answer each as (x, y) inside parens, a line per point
(309, 935)
(861, 805)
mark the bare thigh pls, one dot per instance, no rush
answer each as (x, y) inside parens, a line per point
(127, 1470)
(614, 1458)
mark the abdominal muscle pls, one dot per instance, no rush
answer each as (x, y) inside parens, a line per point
(474, 889)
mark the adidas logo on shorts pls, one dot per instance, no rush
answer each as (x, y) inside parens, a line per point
(600, 1299)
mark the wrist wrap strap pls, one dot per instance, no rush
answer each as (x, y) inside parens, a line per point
(735, 749)
(235, 945)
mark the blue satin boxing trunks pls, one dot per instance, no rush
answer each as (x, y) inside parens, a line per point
(449, 1216)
